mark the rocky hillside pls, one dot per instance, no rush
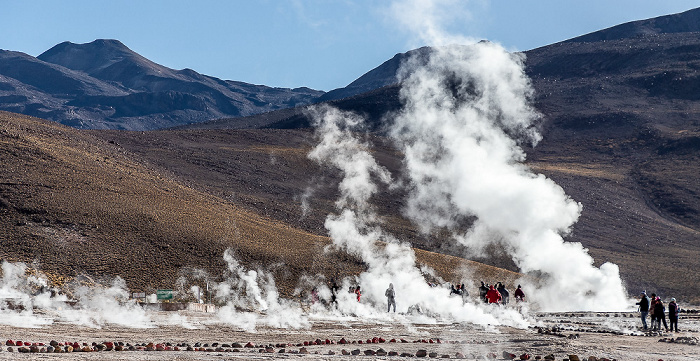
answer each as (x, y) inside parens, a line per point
(74, 204)
(105, 85)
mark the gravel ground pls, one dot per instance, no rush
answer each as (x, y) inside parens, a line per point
(601, 335)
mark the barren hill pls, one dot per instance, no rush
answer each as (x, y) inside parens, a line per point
(76, 204)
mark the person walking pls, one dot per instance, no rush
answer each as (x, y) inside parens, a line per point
(673, 310)
(644, 309)
(358, 293)
(390, 297)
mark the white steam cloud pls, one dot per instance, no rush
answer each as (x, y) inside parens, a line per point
(465, 111)
(94, 305)
(355, 229)
(250, 298)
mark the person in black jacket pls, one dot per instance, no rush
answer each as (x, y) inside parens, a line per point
(673, 310)
(644, 309)
(659, 314)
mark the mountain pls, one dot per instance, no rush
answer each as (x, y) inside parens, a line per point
(105, 85)
(621, 135)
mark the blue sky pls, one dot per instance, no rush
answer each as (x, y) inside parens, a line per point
(321, 44)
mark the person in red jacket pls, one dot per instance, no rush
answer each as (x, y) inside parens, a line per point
(493, 296)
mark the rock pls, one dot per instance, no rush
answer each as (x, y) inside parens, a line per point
(421, 353)
(459, 355)
(432, 354)
(525, 356)
(445, 356)
(236, 345)
(393, 353)
(343, 341)
(574, 358)
(9, 343)
(345, 352)
(10, 349)
(380, 352)
(370, 353)
(303, 351)
(355, 352)
(330, 352)
(249, 345)
(508, 356)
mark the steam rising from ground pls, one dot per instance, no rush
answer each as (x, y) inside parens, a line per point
(93, 305)
(466, 110)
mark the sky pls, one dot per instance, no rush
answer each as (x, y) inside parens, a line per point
(320, 44)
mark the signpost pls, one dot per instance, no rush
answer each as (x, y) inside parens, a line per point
(164, 294)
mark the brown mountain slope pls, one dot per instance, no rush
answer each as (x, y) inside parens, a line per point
(78, 204)
(626, 184)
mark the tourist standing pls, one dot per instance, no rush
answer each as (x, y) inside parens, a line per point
(504, 293)
(644, 309)
(519, 294)
(673, 310)
(492, 296)
(483, 290)
(390, 294)
(659, 314)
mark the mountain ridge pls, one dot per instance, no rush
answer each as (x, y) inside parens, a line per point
(105, 85)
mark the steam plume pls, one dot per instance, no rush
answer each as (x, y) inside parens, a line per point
(466, 110)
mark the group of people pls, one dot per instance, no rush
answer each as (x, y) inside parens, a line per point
(492, 294)
(657, 309)
(498, 294)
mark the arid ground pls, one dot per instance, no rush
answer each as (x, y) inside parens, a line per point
(601, 335)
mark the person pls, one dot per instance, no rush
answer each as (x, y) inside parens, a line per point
(504, 292)
(465, 294)
(334, 293)
(390, 294)
(652, 302)
(358, 293)
(519, 294)
(483, 290)
(644, 309)
(673, 310)
(314, 295)
(492, 296)
(659, 314)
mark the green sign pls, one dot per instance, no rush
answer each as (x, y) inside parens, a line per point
(164, 294)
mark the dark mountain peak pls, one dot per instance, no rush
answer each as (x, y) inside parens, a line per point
(381, 76)
(685, 22)
(98, 58)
